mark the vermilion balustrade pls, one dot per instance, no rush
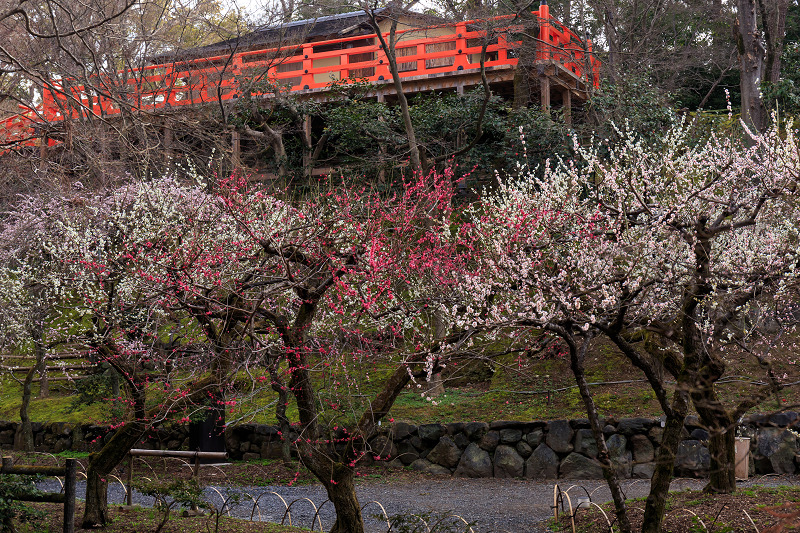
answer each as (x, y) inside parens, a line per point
(300, 67)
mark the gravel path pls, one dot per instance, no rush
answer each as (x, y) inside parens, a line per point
(495, 505)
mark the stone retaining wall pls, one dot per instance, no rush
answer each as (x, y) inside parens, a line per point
(55, 437)
(565, 448)
(539, 449)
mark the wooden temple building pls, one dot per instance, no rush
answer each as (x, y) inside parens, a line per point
(306, 57)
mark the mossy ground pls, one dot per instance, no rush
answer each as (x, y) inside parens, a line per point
(510, 387)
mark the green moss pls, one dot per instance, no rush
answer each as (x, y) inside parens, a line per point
(55, 408)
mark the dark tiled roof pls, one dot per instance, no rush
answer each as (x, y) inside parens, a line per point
(316, 29)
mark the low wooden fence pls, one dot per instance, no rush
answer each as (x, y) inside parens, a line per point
(197, 456)
(67, 497)
(76, 365)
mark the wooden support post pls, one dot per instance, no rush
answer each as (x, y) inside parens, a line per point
(544, 87)
(236, 146)
(460, 89)
(566, 98)
(70, 471)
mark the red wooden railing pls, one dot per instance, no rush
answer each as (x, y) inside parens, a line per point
(305, 66)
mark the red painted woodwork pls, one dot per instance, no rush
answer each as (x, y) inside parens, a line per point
(211, 79)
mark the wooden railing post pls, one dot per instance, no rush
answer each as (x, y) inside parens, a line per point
(461, 46)
(382, 67)
(566, 98)
(69, 472)
(344, 61)
(307, 79)
(503, 46)
(544, 30)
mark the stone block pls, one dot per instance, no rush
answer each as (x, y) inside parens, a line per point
(534, 438)
(577, 466)
(475, 431)
(383, 448)
(431, 433)
(617, 445)
(692, 459)
(407, 453)
(271, 450)
(780, 447)
(632, 426)
(643, 450)
(559, 436)
(524, 449)
(446, 453)
(585, 443)
(510, 436)
(454, 428)
(475, 462)
(507, 462)
(542, 464)
(461, 440)
(656, 433)
(490, 441)
(402, 430)
(425, 466)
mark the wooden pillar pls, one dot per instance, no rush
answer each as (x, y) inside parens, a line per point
(544, 87)
(566, 98)
(460, 89)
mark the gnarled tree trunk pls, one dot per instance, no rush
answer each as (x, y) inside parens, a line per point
(101, 464)
(722, 447)
(609, 473)
(656, 504)
(337, 479)
(23, 440)
(751, 65)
